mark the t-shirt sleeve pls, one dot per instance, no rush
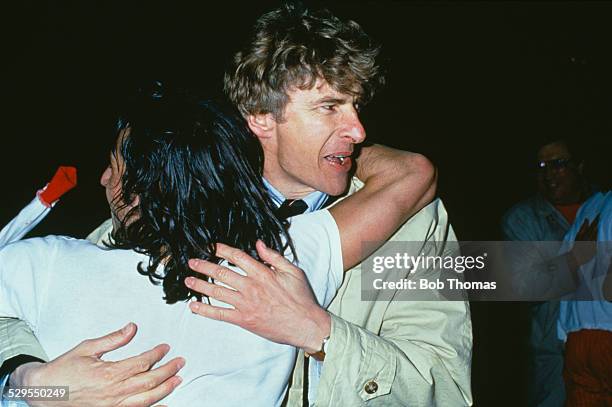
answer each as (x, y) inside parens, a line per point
(24, 277)
(316, 240)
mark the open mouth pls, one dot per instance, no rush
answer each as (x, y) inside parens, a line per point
(338, 159)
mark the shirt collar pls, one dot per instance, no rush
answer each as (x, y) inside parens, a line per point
(315, 200)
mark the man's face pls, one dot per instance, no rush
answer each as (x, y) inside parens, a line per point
(559, 179)
(111, 181)
(315, 139)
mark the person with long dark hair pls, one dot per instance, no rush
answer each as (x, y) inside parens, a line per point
(183, 177)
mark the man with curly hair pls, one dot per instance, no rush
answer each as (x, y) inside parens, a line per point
(299, 83)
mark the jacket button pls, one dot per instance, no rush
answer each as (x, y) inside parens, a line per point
(371, 387)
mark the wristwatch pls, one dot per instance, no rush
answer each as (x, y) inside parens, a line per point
(320, 355)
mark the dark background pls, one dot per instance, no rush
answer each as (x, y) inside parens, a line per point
(473, 85)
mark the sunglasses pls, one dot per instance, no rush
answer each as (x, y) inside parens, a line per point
(557, 164)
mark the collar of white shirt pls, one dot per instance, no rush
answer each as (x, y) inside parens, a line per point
(315, 200)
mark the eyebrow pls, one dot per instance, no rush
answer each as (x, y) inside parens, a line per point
(330, 99)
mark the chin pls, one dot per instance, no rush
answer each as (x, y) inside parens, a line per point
(336, 188)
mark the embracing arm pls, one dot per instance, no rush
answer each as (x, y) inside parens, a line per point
(94, 382)
(91, 381)
(397, 185)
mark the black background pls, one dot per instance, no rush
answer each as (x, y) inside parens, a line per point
(473, 85)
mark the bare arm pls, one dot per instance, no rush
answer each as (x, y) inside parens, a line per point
(397, 185)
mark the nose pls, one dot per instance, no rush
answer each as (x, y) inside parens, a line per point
(551, 173)
(106, 174)
(354, 129)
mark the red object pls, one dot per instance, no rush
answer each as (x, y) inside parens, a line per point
(588, 368)
(64, 180)
(569, 211)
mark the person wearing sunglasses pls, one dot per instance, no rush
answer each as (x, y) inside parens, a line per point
(547, 216)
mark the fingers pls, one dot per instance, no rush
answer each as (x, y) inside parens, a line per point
(213, 290)
(272, 257)
(127, 368)
(210, 311)
(147, 398)
(99, 346)
(217, 272)
(148, 381)
(241, 259)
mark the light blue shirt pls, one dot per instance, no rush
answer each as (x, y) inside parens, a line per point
(315, 200)
(596, 314)
(9, 403)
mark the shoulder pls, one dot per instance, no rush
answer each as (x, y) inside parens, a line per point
(313, 224)
(529, 211)
(47, 243)
(521, 209)
(47, 249)
(29, 263)
(315, 236)
(430, 223)
(101, 233)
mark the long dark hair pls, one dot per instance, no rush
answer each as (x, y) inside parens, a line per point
(197, 172)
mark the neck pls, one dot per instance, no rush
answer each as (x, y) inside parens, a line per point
(575, 197)
(289, 186)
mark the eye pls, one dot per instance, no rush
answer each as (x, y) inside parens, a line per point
(357, 107)
(329, 107)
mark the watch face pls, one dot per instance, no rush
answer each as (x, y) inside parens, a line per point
(325, 342)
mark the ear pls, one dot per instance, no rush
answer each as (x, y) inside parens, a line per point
(581, 168)
(262, 124)
(134, 204)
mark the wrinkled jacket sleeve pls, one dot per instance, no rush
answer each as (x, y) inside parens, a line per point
(406, 371)
(16, 338)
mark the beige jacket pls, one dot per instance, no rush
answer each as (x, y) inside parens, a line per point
(398, 352)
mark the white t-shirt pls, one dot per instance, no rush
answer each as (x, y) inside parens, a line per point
(68, 289)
